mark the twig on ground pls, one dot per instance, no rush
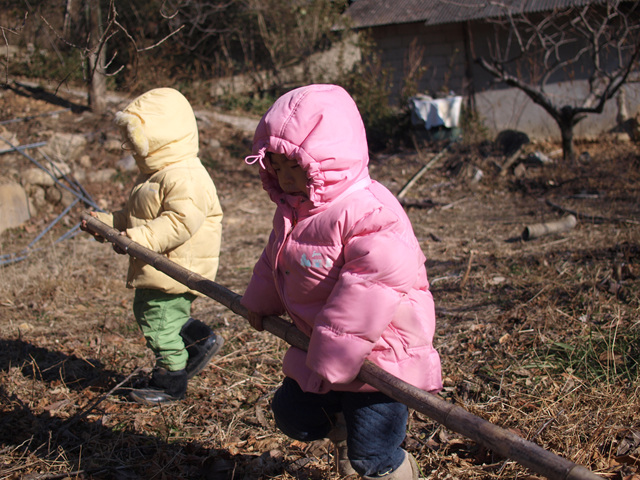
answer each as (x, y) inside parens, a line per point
(535, 435)
(82, 414)
(465, 277)
(590, 218)
(417, 203)
(403, 191)
(504, 168)
(452, 204)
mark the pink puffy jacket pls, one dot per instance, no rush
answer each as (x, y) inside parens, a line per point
(344, 263)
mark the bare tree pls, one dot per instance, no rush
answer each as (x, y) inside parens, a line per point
(211, 28)
(5, 31)
(208, 38)
(238, 36)
(90, 35)
(599, 43)
(95, 29)
(99, 32)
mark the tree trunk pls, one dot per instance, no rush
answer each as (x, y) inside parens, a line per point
(566, 121)
(71, 16)
(568, 153)
(97, 82)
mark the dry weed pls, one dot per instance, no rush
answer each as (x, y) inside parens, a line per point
(539, 337)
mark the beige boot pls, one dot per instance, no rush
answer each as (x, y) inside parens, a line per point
(341, 457)
(408, 470)
(338, 436)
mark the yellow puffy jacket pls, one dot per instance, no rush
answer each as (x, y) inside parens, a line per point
(173, 208)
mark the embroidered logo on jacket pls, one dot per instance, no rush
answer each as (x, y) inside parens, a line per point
(317, 261)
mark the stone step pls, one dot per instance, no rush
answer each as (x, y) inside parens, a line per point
(14, 206)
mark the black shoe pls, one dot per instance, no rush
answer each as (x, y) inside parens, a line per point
(201, 343)
(164, 387)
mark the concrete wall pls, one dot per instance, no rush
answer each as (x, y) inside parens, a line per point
(511, 109)
(449, 69)
(443, 56)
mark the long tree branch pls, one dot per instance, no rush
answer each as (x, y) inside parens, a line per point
(502, 441)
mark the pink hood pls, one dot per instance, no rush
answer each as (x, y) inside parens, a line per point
(345, 263)
(321, 128)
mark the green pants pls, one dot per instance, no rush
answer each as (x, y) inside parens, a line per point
(161, 316)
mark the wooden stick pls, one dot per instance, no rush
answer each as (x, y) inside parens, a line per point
(590, 218)
(465, 277)
(501, 441)
(88, 409)
(510, 161)
(403, 191)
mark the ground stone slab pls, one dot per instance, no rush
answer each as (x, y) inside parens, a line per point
(14, 205)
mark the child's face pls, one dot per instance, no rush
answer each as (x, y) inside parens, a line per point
(291, 177)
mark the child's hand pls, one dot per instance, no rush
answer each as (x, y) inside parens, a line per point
(255, 320)
(83, 226)
(117, 249)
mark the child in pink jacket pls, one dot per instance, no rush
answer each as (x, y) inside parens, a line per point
(343, 262)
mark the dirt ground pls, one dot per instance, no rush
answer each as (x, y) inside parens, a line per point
(540, 336)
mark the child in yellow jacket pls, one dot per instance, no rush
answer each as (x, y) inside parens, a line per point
(173, 209)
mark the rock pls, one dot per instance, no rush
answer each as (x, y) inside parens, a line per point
(585, 157)
(113, 145)
(7, 139)
(85, 161)
(80, 175)
(103, 203)
(46, 178)
(14, 205)
(56, 196)
(537, 159)
(103, 175)
(622, 137)
(65, 147)
(477, 175)
(510, 141)
(67, 198)
(53, 195)
(520, 171)
(58, 168)
(212, 143)
(25, 327)
(37, 199)
(37, 176)
(127, 164)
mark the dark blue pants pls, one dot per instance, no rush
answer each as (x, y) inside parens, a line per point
(376, 424)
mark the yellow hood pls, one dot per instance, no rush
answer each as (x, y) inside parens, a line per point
(160, 127)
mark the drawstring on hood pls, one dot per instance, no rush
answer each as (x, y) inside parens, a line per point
(259, 157)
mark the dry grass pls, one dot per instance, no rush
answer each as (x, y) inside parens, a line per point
(541, 337)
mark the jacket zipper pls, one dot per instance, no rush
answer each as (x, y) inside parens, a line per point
(294, 222)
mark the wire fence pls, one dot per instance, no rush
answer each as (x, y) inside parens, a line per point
(64, 181)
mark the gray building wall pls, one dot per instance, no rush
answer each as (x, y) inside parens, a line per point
(443, 55)
(450, 67)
